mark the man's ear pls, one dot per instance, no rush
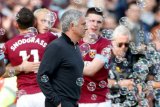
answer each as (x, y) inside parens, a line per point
(71, 25)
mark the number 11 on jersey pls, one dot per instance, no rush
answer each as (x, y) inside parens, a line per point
(34, 52)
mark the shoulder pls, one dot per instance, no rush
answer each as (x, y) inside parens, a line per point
(52, 35)
(56, 34)
(58, 43)
(105, 41)
(48, 35)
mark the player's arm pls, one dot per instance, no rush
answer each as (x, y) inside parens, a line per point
(95, 65)
(8, 68)
(25, 66)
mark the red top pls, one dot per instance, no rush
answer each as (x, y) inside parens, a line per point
(18, 49)
(95, 88)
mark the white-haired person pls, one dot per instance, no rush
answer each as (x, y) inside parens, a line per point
(120, 72)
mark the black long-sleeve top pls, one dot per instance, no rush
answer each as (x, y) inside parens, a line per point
(61, 65)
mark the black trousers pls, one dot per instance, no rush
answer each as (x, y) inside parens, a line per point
(64, 103)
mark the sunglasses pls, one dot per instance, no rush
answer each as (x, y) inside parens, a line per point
(98, 9)
(122, 44)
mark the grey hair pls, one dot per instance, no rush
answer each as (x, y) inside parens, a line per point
(68, 17)
(121, 30)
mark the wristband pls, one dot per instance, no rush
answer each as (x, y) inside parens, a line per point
(101, 57)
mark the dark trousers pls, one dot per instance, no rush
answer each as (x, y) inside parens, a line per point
(64, 103)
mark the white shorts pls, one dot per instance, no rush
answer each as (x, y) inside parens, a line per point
(103, 104)
(31, 100)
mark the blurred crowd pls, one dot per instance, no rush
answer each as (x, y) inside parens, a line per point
(147, 16)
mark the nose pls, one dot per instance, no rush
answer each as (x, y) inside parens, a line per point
(85, 28)
(95, 23)
(123, 46)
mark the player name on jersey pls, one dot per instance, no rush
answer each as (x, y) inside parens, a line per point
(28, 40)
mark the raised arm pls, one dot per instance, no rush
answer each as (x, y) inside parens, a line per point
(91, 68)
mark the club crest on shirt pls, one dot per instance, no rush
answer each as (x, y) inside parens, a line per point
(92, 53)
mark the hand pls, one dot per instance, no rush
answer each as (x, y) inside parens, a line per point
(155, 84)
(86, 63)
(126, 83)
(141, 48)
(27, 66)
(139, 88)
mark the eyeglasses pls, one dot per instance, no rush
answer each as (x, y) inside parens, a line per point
(122, 44)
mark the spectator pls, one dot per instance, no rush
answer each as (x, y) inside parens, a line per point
(119, 77)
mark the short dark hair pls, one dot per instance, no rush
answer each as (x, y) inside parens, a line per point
(130, 4)
(95, 10)
(25, 18)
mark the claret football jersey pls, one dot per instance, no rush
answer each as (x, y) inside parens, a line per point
(19, 48)
(95, 88)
